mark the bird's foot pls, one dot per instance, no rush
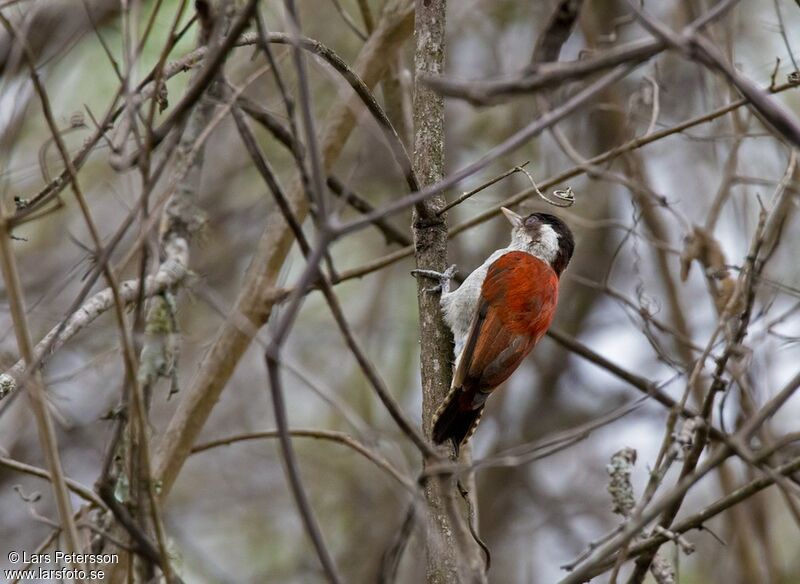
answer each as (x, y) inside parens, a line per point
(443, 277)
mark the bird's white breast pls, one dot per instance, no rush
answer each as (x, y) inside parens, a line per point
(459, 306)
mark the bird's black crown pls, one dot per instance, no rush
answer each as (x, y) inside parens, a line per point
(566, 242)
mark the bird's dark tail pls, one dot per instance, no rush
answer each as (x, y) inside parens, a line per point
(457, 418)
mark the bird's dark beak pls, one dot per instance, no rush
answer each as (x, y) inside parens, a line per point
(513, 218)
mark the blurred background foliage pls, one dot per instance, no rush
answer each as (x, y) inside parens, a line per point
(230, 516)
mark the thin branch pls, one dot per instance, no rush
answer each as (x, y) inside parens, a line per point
(466, 195)
(697, 47)
(319, 192)
(515, 141)
(211, 65)
(329, 435)
(292, 469)
(379, 386)
(284, 135)
(81, 490)
(169, 274)
(782, 30)
(485, 92)
(351, 24)
(560, 178)
(697, 520)
(586, 568)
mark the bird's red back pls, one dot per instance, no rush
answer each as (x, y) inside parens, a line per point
(524, 290)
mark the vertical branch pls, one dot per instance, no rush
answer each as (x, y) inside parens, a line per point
(430, 228)
(44, 423)
(129, 459)
(451, 555)
(314, 156)
(272, 357)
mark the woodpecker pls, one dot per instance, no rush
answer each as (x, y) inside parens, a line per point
(497, 316)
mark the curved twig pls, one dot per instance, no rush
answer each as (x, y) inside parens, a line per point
(328, 435)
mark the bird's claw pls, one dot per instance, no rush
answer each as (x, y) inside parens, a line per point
(444, 278)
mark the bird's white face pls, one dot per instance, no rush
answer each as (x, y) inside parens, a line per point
(540, 240)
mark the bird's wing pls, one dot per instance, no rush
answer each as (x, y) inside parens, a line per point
(516, 306)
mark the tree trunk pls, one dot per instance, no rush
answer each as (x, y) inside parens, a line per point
(453, 557)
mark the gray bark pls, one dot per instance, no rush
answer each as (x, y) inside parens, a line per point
(452, 555)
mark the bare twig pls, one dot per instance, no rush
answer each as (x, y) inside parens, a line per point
(482, 187)
(81, 490)
(292, 470)
(328, 435)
